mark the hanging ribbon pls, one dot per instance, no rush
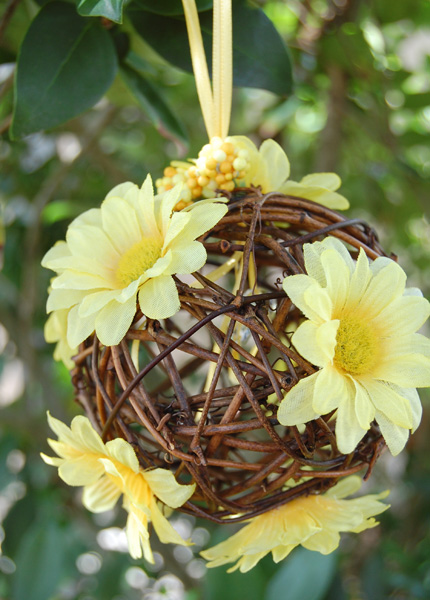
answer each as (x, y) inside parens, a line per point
(215, 101)
(222, 65)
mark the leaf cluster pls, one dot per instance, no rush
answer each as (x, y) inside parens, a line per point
(72, 53)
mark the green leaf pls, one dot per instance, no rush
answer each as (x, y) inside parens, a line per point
(7, 444)
(153, 104)
(40, 562)
(236, 585)
(306, 575)
(66, 64)
(389, 12)
(260, 58)
(110, 9)
(60, 210)
(170, 7)
(18, 521)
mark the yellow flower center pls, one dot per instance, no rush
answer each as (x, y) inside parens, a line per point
(138, 259)
(356, 346)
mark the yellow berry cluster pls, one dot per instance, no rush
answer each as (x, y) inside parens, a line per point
(177, 172)
(221, 164)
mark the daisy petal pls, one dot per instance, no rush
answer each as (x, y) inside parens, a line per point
(281, 552)
(410, 370)
(319, 301)
(315, 193)
(114, 320)
(144, 205)
(295, 287)
(50, 460)
(278, 165)
(78, 328)
(296, 407)
(326, 339)
(84, 435)
(395, 436)
(306, 343)
(59, 299)
(330, 181)
(187, 258)
(119, 191)
(348, 429)
(411, 396)
(63, 432)
(387, 401)
(375, 299)
(122, 452)
(325, 542)
(346, 487)
(54, 256)
(203, 218)
(91, 241)
(137, 534)
(414, 343)
(93, 303)
(120, 223)
(336, 244)
(163, 528)
(333, 200)
(101, 495)
(164, 485)
(168, 202)
(359, 280)
(337, 276)
(314, 268)
(404, 315)
(248, 562)
(178, 223)
(412, 291)
(84, 470)
(364, 409)
(80, 281)
(160, 267)
(158, 298)
(330, 389)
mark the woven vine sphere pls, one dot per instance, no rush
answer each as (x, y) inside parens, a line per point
(198, 393)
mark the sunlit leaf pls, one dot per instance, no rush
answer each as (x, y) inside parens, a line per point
(66, 64)
(260, 58)
(110, 9)
(171, 7)
(60, 210)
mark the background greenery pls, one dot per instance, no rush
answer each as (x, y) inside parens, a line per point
(105, 105)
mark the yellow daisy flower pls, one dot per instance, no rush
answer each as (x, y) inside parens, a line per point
(361, 331)
(55, 332)
(269, 168)
(236, 162)
(127, 249)
(313, 522)
(109, 471)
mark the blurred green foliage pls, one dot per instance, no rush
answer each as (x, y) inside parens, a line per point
(360, 107)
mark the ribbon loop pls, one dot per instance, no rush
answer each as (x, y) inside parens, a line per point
(215, 101)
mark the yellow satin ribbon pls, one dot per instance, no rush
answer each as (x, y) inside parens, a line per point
(215, 100)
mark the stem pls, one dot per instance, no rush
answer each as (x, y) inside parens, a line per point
(11, 6)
